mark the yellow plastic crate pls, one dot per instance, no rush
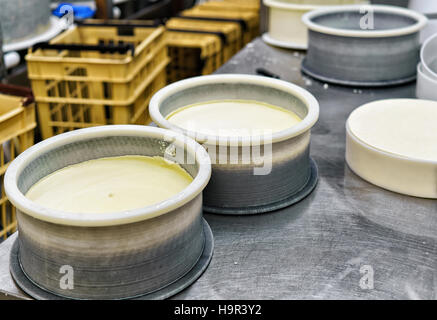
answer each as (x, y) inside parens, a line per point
(109, 76)
(254, 3)
(231, 5)
(192, 54)
(17, 124)
(248, 20)
(229, 31)
(97, 74)
(67, 115)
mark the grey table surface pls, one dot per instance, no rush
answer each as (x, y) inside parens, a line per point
(330, 245)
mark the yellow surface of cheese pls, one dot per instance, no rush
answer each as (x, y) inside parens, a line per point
(233, 118)
(110, 185)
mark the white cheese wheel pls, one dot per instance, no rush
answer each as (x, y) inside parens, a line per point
(393, 144)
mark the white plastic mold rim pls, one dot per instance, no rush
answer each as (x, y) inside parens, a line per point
(424, 59)
(301, 6)
(421, 21)
(283, 44)
(57, 25)
(306, 97)
(426, 86)
(37, 211)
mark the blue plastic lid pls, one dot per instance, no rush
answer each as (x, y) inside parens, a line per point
(80, 12)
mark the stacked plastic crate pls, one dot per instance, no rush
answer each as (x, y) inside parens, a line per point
(97, 73)
(192, 54)
(17, 124)
(229, 32)
(201, 39)
(246, 14)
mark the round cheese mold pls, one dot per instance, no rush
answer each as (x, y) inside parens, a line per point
(286, 28)
(255, 173)
(355, 45)
(119, 254)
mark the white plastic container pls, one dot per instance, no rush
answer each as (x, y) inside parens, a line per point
(115, 255)
(423, 6)
(426, 87)
(428, 57)
(234, 187)
(286, 28)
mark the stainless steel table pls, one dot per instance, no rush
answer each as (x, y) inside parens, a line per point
(347, 240)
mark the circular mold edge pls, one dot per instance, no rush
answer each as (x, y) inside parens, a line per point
(422, 55)
(36, 292)
(377, 182)
(289, 6)
(55, 26)
(267, 38)
(420, 23)
(292, 199)
(304, 95)
(21, 202)
(365, 84)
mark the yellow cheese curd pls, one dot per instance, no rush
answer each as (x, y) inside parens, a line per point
(110, 185)
(233, 118)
